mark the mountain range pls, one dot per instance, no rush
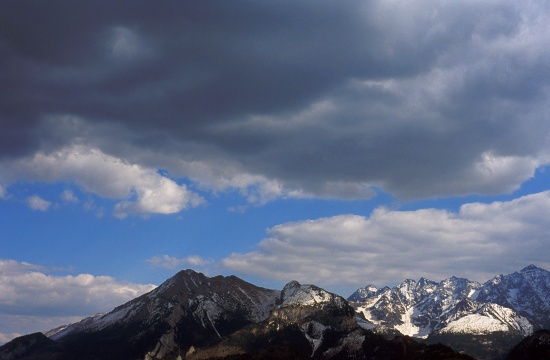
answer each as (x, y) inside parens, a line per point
(192, 316)
(502, 310)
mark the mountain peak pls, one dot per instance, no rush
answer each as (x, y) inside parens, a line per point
(530, 267)
(408, 282)
(364, 293)
(292, 285)
(188, 273)
(185, 280)
(423, 281)
(290, 289)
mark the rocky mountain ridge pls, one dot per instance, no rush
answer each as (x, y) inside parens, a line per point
(187, 310)
(192, 316)
(484, 320)
(518, 302)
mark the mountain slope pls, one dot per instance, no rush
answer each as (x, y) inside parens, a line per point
(187, 310)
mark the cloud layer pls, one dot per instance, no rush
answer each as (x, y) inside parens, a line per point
(26, 289)
(293, 99)
(144, 190)
(35, 202)
(31, 299)
(478, 242)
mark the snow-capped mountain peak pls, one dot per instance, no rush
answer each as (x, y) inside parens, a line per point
(527, 292)
(304, 295)
(519, 303)
(365, 293)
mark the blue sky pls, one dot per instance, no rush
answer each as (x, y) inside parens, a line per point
(337, 144)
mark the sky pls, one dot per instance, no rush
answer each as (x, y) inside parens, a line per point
(335, 143)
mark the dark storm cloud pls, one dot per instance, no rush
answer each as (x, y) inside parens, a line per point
(423, 99)
(192, 63)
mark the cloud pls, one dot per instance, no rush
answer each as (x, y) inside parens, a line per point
(26, 290)
(295, 99)
(170, 262)
(5, 337)
(35, 202)
(69, 196)
(126, 43)
(477, 242)
(12, 267)
(142, 189)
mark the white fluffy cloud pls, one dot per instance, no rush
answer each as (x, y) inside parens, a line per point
(69, 196)
(32, 299)
(27, 289)
(143, 190)
(12, 267)
(479, 241)
(35, 202)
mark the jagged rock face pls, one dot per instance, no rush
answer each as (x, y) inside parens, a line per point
(485, 320)
(299, 303)
(365, 293)
(527, 292)
(507, 303)
(321, 317)
(313, 323)
(417, 308)
(307, 319)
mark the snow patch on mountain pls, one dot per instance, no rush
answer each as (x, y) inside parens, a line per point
(476, 324)
(314, 331)
(488, 319)
(305, 295)
(407, 327)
